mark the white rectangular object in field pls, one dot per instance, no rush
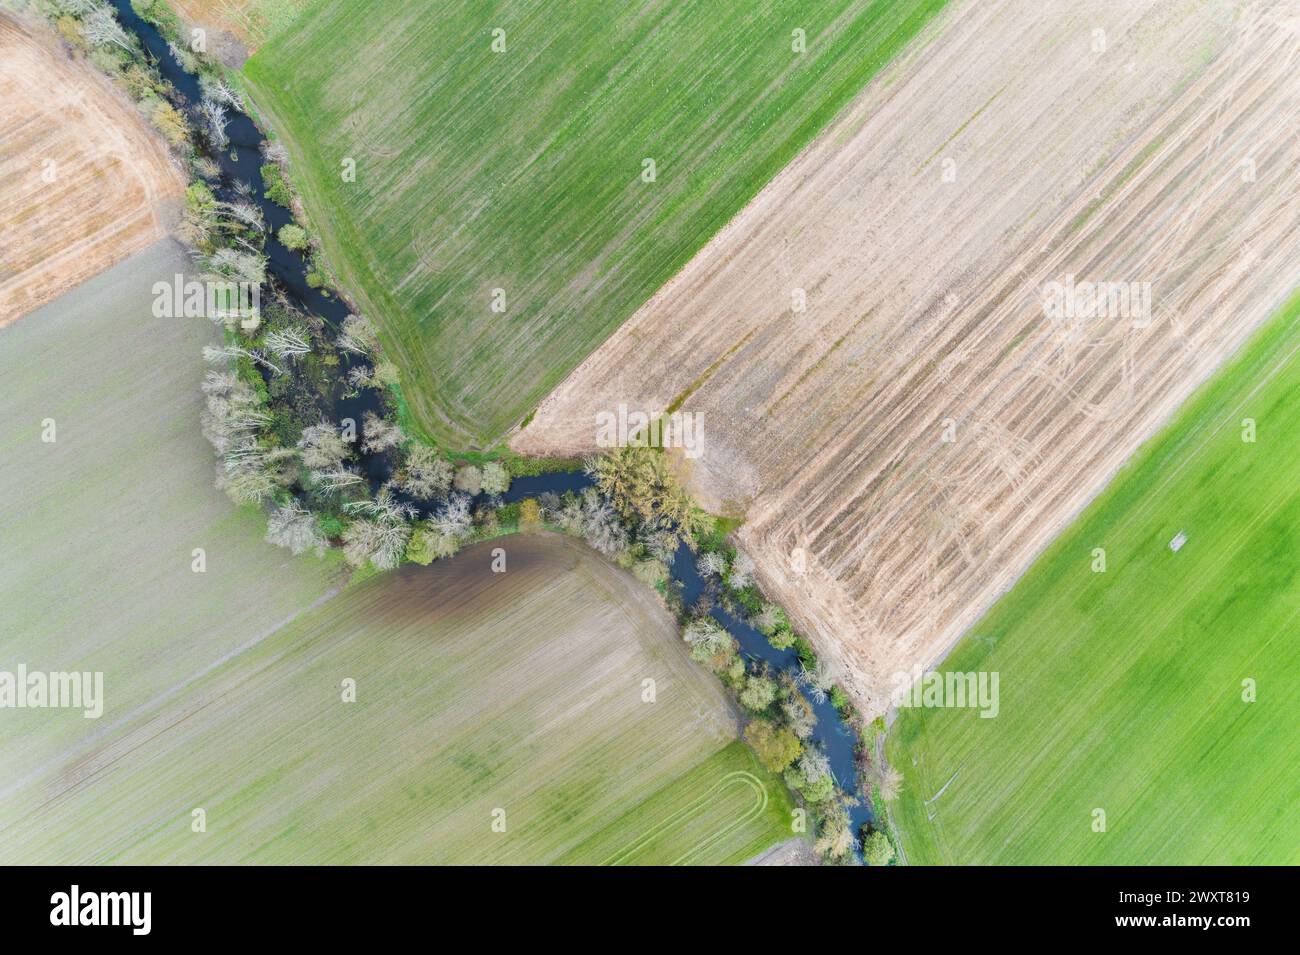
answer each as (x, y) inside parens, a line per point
(1179, 540)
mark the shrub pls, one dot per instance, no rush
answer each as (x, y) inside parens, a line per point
(420, 549)
(469, 479)
(758, 694)
(877, 849)
(711, 645)
(835, 834)
(768, 619)
(776, 748)
(496, 479)
(293, 237)
(277, 190)
(530, 514)
(781, 639)
(170, 123)
(650, 571)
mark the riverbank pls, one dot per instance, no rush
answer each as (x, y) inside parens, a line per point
(302, 409)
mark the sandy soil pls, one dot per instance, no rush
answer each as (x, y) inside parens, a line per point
(790, 852)
(918, 434)
(236, 28)
(84, 181)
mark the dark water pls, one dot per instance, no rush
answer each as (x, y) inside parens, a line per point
(832, 733)
(241, 161)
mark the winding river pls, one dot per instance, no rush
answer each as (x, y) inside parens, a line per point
(241, 161)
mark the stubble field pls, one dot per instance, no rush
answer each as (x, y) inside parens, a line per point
(87, 181)
(905, 446)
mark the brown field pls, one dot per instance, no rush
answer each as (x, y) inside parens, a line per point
(238, 27)
(1001, 152)
(84, 182)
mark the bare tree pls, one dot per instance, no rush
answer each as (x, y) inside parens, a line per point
(381, 534)
(814, 764)
(712, 564)
(101, 28)
(322, 447)
(453, 518)
(216, 353)
(251, 472)
(274, 152)
(706, 637)
(358, 336)
(288, 342)
(214, 117)
(232, 415)
(336, 479)
(233, 265)
(425, 473)
(817, 681)
(742, 572)
(219, 91)
(660, 542)
(798, 713)
(601, 525)
(295, 528)
(379, 434)
(77, 7)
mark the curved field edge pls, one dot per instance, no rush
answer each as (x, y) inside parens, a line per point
(1125, 692)
(476, 171)
(724, 811)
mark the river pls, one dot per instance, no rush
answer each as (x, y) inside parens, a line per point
(242, 161)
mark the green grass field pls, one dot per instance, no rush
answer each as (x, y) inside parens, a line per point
(1123, 690)
(522, 170)
(479, 696)
(724, 811)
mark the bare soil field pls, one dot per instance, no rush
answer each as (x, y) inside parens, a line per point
(905, 444)
(236, 28)
(84, 182)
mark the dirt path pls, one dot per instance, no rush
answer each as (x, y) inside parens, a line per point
(84, 181)
(925, 427)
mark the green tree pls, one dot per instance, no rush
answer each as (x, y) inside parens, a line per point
(293, 237)
(496, 479)
(277, 190)
(877, 849)
(530, 514)
(776, 748)
(758, 694)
